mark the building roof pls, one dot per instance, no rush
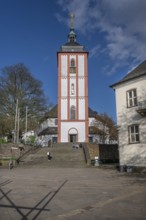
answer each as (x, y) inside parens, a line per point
(53, 113)
(72, 44)
(91, 113)
(139, 71)
(49, 131)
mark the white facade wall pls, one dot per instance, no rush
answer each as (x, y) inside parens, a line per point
(64, 65)
(77, 126)
(81, 88)
(82, 109)
(64, 86)
(121, 100)
(64, 109)
(131, 154)
(72, 102)
(91, 121)
(43, 139)
(47, 123)
(51, 122)
(81, 71)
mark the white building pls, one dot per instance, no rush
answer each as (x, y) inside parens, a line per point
(130, 95)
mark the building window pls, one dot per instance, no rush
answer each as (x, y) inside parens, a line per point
(72, 66)
(73, 112)
(72, 89)
(72, 62)
(56, 121)
(54, 140)
(131, 98)
(133, 134)
(90, 139)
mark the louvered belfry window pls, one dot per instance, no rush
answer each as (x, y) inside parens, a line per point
(72, 66)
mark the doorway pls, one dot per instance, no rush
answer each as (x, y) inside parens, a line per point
(73, 138)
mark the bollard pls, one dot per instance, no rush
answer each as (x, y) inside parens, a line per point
(10, 164)
(96, 161)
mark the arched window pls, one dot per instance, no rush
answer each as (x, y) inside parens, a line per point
(73, 112)
(72, 66)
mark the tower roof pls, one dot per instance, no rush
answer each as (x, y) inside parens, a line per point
(72, 45)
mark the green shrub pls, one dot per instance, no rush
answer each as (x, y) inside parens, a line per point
(30, 140)
(2, 141)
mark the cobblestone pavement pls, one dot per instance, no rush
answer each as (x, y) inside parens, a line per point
(71, 193)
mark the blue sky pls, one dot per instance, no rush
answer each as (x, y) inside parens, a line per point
(113, 31)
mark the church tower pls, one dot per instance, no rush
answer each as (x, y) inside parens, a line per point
(72, 90)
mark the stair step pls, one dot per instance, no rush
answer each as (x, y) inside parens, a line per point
(63, 155)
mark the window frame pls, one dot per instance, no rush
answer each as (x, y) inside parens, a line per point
(134, 136)
(132, 101)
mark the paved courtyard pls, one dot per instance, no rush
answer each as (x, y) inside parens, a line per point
(71, 193)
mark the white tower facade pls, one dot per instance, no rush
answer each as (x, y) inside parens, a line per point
(72, 90)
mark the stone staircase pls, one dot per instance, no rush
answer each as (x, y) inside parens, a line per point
(63, 155)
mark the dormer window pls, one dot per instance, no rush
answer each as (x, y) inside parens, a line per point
(72, 66)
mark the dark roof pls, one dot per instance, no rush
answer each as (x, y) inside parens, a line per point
(53, 113)
(91, 113)
(49, 131)
(72, 44)
(139, 71)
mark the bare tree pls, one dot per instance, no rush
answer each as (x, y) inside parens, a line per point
(17, 83)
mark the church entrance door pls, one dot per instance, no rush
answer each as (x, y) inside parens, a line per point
(73, 138)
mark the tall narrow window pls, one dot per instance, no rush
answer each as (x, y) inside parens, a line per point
(73, 112)
(72, 66)
(133, 133)
(72, 62)
(56, 121)
(131, 98)
(72, 89)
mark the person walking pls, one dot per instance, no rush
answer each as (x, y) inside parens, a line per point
(49, 155)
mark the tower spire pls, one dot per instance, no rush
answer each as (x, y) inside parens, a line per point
(72, 35)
